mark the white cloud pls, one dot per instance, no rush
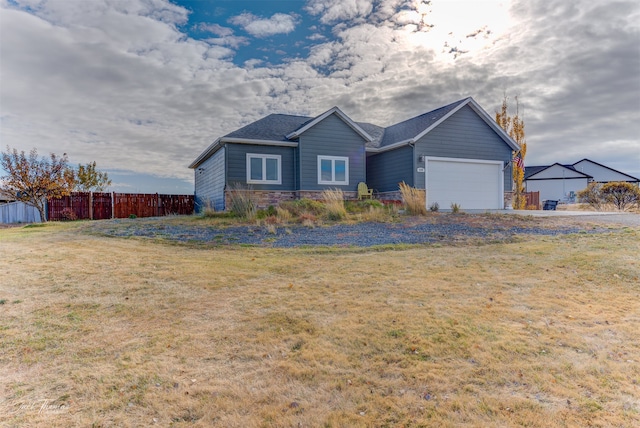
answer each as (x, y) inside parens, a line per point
(216, 29)
(279, 23)
(332, 11)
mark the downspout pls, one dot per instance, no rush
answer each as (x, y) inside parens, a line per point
(414, 169)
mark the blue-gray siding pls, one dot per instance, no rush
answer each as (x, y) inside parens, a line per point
(210, 182)
(330, 137)
(463, 135)
(386, 170)
(237, 165)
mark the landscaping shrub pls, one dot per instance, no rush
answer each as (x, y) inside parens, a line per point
(619, 193)
(435, 207)
(455, 208)
(283, 215)
(365, 205)
(591, 195)
(270, 211)
(377, 215)
(302, 206)
(334, 204)
(415, 200)
(68, 214)
(242, 201)
(308, 219)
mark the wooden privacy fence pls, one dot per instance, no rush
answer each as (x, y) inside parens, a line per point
(533, 199)
(100, 206)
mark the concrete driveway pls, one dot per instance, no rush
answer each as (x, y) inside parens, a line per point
(615, 217)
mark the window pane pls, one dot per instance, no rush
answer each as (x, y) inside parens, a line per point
(272, 169)
(325, 170)
(341, 169)
(256, 169)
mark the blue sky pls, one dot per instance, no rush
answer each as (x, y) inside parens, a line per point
(264, 33)
(144, 86)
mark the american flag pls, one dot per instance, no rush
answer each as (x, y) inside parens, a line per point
(518, 161)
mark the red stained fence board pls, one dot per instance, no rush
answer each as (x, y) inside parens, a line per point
(100, 206)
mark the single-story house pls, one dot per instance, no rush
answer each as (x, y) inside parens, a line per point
(563, 182)
(457, 153)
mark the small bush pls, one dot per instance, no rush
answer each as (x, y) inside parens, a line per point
(619, 193)
(414, 200)
(68, 214)
(302, 206)
(334, 204)
(283, 215)
(591, 195)
(355, 207)
(133, 216)
(377, 215)
(308, 219)
(455, 208)
(242, 201)
(434, 207)
(272, 219)
(270, 211)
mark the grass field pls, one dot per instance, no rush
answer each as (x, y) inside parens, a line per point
(98, 331)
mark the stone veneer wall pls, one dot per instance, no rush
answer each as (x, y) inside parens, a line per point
(388, 196)
(265, 198)
(508, 198)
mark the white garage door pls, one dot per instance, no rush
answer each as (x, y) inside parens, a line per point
(470, 183)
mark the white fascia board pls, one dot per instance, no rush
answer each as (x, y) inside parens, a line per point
(259, 142)
(323, 116)
(389, 147)
(206, 154)
(462, 160)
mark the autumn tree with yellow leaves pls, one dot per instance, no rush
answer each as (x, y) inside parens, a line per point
(32, 179)
(514, 127)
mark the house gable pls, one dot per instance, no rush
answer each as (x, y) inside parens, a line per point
(557, 172)
(335, 111)
(601, 173)
(330, 137)
(463, 134)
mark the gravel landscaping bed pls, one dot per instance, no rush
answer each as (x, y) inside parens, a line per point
(435, 229)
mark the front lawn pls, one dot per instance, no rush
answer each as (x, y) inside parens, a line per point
(110, 331)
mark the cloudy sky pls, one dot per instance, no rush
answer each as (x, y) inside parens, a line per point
(144, 86)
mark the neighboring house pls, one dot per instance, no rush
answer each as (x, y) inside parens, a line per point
(457, 153)
(563, 182)
(601, 173)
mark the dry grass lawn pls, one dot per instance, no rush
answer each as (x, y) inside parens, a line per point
(110, 332)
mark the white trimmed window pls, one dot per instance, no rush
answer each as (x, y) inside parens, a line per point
(333, 170)
(264, 169)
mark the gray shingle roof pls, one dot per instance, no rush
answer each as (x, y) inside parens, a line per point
(533, 170)
(274, 127)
